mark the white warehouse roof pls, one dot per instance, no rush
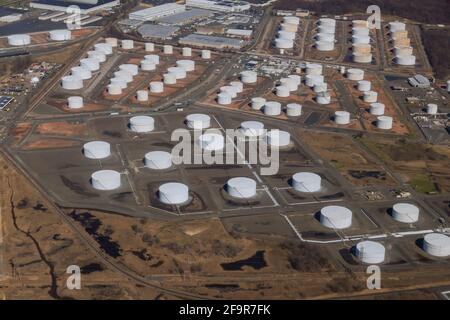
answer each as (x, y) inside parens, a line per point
(157, 12)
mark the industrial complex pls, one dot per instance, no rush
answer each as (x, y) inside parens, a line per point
(220, 149)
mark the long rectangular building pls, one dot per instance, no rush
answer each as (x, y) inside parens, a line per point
(86, 6)
(206, 41)
(220, 5)
(157, 12)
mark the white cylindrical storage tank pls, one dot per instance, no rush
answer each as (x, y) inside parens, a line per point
(370, 252)
(123, 75)
(405, 212)
(437, 244)
(224, 98)
(342, 117)
(232, 91)
(329, 37)
(406, 60)
(249, 77)
(112, 42)
(284, 43)
(173, 193)
(360, 24)
(252, 128)
(119, 82)
(325, 45)
(326, 29)
(327, 22)
(127, 44)
(105, 180)
(167, 49)
(71, 83)
(60, 35)
(278, 138)
(142, 95)
(131, 68)
(75, 102)
(147, 65)
(355, 74)
(312, 79)
(114, 89)
(448, 85)
(180, 73)
(97, 150)
(282, 91)
(289, 27)
(19, 40)
(211, 141)
(360, 31)
(152, 58)
(186, 52)
(297, 79)
(272, 108)
(90, 63)
(402, 42)
(293, 110)
(384, 122)
(100, 56)
(142, 124)
(187, 65)
(370, 96)
(320, 87)
(149, 47)
(306, 182)
(291, 20)
(335, 217)
(198, 121)
(105, 48)
(362, 58)
(377, 109)
(323, 98)
(238, 85)
(364, 85)
(403, 50)
(360, 39)
(362, 48)
(81, 72)
(313, 69)
(286, 35)
(401, 34)
(241, 187)
(432, 108)
(169, 78)
(158, 160)
(257, 103)
(206, 54)
(156, 87)
(395, 26)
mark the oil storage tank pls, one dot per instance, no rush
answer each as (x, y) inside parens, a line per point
(173, 193)
(147, 65)
(241, 187)
(97, 150)
(272, 108)
(105, 180)
(142, 124)
(127, 44)
(252, 128)
(336, 217)
(257, 103)
(198, 121)
(158, 160)
(364, 85)
(142, 95)
(278, 138)
(342, 117)
(437, 244)
(81, 72)
(406, 60)
(19, 40)
(384, 122)
(248, 77)
(211, 141)
(91, 64)
(325, 45)
(306, 182)
(187, 65)
(370, 252)
(60, 35)
(284, 43)
(169, 78)
(377, 109)
(75, 102)
(131, 68)
(167, 49)
(206, 54)
(224, 98)
(355, 74)
(105, 48)
(370, 96)
(405, 212)
(156, 87)
(293, 110)
(71, 83)
(153, 58)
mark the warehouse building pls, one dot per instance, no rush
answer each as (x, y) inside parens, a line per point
(199, 40)
(419, 81)
(220, 5)
(154, 13)
(186, 17)
(86, 6)
(148, 31)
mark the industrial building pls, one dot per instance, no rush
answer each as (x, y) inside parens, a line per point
(186, 17)
(86, 6)
(220, 5)
(419, 81)
(216, 42)
(148, 31)
(8, 15)
(154, 13)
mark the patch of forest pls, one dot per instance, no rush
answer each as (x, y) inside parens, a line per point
(431, 11)
(437, 46)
